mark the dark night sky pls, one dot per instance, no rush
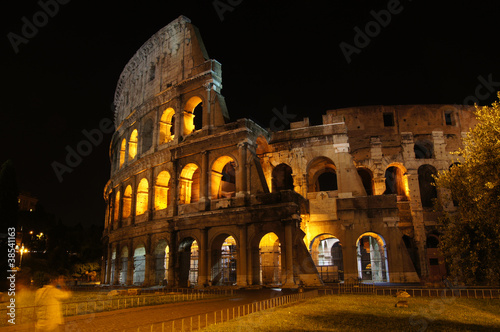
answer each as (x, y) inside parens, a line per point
(273, 53)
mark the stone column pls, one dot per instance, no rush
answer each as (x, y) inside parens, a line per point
(120, 207)
(289, 254)
(151, 195)
(202, 260)
(241, 264)
(205, 178)
(133, 201)
(349, 252)
(241, 182)
(149, 266)
(172, 258)
(174, 197)
(130, 263)
(208, 116)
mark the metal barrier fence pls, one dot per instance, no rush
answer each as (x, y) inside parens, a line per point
(476, 293)
(197, 322)
(27, 314)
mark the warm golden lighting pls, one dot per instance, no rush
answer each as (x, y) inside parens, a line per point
(122, 151)
(132, 145)
(117, 206)
(161, 190)
(127, 201)
(190, 183)
(166, 134)
(222, 179)
(142, 197)
(189, 114)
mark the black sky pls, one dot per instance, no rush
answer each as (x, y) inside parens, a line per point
(273, 54)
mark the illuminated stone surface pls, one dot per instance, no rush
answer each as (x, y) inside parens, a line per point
(196, 199)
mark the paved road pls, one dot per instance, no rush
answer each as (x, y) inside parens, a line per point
(130, 319)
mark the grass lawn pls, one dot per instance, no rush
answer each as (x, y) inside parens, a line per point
(373, 313)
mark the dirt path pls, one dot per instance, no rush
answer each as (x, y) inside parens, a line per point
(130, 319)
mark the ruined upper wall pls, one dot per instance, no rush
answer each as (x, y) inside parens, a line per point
(173, 55)
(420, 120)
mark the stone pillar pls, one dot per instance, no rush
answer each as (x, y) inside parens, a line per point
(172, 258)
(151, 195)
(148, 262)
(133, 201)
(208, 117)
(407, 146)
(289, 254)
(241, 265)
(205, 178)
(241, 182)
(116, 277)
(179, 121)
(439, 146)
(349, 252)
(120, 207)
(174, 197)
(202, 260)
(130, 263)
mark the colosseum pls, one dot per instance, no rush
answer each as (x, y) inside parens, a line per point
(197, 200)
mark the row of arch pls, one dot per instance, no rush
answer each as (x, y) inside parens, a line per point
(326, 250)
(322, 177)
(223, 185)
(192, 120)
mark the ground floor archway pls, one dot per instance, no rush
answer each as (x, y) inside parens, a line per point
(372, 258)
(327, 255)
(188, 262)
(270, 260)
(224, 254)
(139, 265)
(161, 257)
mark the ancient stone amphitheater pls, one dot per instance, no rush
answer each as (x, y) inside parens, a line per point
(195, 199)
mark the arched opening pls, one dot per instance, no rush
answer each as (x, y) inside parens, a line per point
(161, 263)
(367, 180)
(428, 192)
(395, 183)
(122, 280)
(435, 259)
(161, 190)
(223, 181)
(139, 265)
(167, 125)
(192, 111)
(123, 148)
(127, 201)
(270, 260)
(188, 263)
(142, 197)
(147, 135)
(372, 258)
(322, 175)
(326, 252)
(117, 206)
(423, 149)
(189, 184)
(282, 178)
(224, 261)
(132, 145)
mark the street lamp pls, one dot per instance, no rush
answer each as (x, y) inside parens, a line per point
(22, 250)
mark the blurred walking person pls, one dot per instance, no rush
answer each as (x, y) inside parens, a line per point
(48, 305)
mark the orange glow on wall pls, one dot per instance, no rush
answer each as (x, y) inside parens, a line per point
(189, 183)
(189, 114)
(127, 201)
(142, 197)
(122, 152)
(166, 134)
(161, 190)
(221, 185)
(117, 206)
(132, 145)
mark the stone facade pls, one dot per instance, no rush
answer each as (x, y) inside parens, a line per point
(195, 199)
